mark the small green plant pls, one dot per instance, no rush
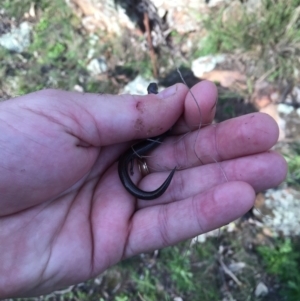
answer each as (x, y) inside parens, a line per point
(16, 8)
(293, 160)
(179, 268)
(145, 283)
(122, 298)
(283, 261)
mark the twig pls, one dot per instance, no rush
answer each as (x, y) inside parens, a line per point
(141, 297)
(229, 273)
(266, 74)
(150, 45)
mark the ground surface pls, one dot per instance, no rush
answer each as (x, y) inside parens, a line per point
(78, 47)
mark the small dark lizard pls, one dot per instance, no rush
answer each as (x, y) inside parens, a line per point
(139, 150)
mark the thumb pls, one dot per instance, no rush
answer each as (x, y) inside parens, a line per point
(107, 119)
(126, 117)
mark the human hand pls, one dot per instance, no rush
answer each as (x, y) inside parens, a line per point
(64, 214)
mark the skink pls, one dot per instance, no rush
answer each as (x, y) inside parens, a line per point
(139, 150)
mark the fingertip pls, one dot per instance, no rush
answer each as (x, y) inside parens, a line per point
(265, 130)
(246, 135)
(230, 201)
(208, 91)
(281, 168)
(270, 124)
(210, 88)
(129, 117)
(172, 91)
(204, 95)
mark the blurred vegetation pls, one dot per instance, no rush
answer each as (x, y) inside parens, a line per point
(55, 57)
(293, 159)
(283, 260)
(58, 57)
(59, 53)
(271, 36)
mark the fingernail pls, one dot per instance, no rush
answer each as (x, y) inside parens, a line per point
(170, 91)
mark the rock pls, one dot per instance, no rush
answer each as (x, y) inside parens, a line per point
(206, 64)
(198, 239)
(202, 237)
(78, 88)
(213, 3)
(231, 227)
(18, 39)
(138, 86)
(285, 109)
(261, 290)
(97, 66)
(284, 206)
(236, 266)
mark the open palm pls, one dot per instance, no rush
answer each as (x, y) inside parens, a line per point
(64, 214)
